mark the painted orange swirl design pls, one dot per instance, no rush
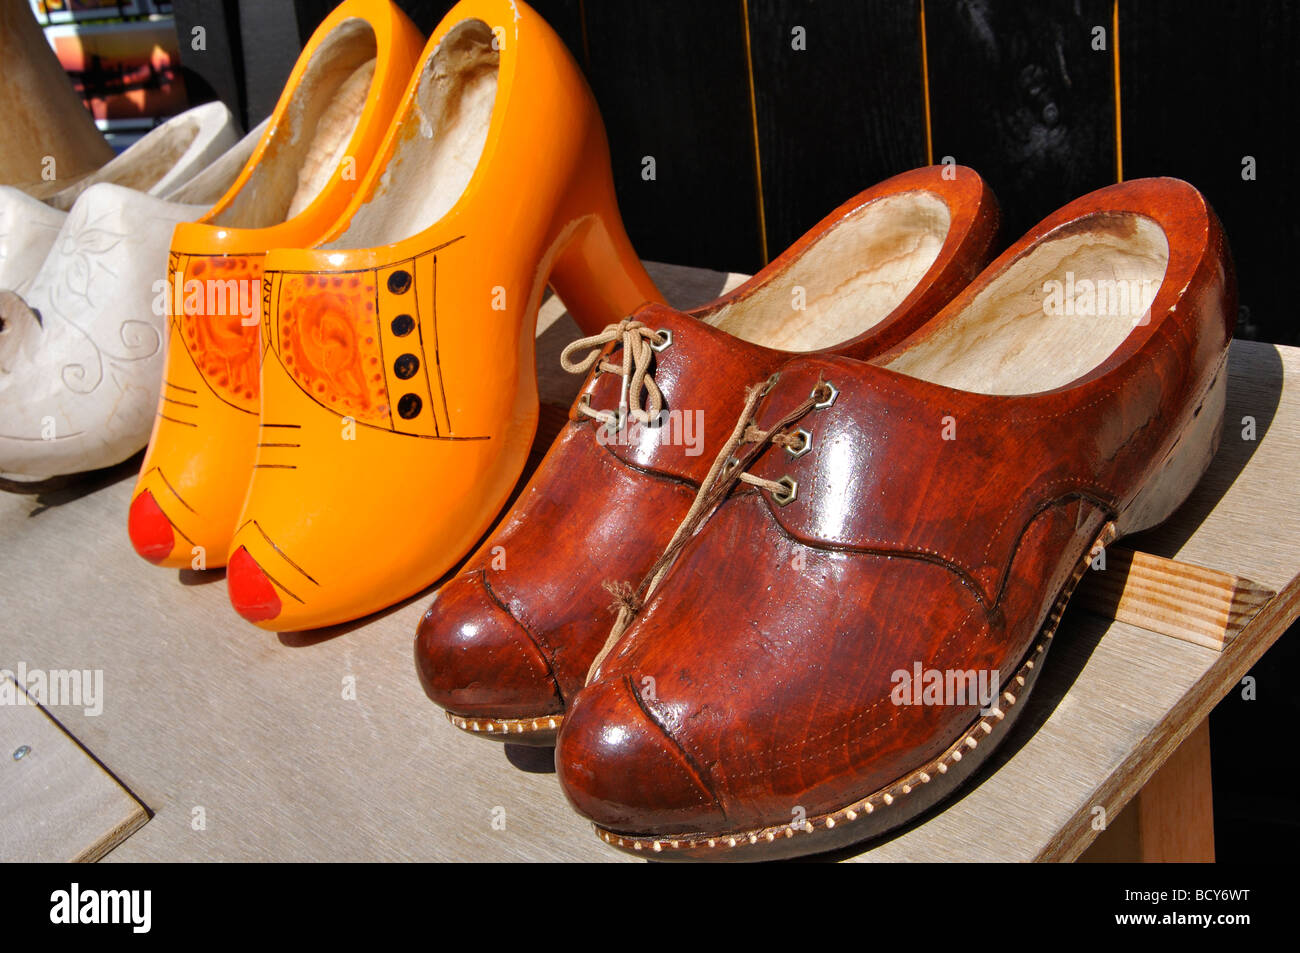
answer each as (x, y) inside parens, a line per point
(329, 342)
(218, 296)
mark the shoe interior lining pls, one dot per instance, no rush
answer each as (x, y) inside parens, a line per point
(313, 137)
(142, 166)
(1053, 315)
(848, 281)
(441, 144)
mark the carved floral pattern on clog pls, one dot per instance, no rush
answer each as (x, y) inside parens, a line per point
(88, 277)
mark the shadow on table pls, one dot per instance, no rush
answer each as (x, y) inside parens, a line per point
(531, 759)
(200, 577)
(59, 490)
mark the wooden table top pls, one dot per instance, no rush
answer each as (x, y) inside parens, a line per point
(243, 746)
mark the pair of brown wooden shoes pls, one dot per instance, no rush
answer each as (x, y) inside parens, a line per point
(838, 513)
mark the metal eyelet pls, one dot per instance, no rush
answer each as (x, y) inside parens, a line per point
(803, 448)
(822, 405)
(792, 490)
(664, 340)
(769, 384)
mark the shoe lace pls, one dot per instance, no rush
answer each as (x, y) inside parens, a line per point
(640, 343)
(747, 440)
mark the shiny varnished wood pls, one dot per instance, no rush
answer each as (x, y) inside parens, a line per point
(754, 699)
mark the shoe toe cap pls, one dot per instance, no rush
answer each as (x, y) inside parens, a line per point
(251, 591)
(623, 770)
(151, 531)
(475, 659)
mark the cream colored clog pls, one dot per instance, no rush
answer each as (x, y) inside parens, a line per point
(194, 155)
(81, 347)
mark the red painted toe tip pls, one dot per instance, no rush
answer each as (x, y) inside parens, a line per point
(150, 529)
(251, 592)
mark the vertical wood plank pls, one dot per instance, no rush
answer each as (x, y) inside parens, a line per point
(670, 78)
(268, 39)
(425, 14)
(1205, 84)
(1018, 93)
(1176, 807)
(216, 71)
(1172, 818)
(838, 115)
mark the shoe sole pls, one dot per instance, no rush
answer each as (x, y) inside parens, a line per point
(539, 731)
(902, 800)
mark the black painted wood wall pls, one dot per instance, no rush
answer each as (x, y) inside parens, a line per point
(762, 115)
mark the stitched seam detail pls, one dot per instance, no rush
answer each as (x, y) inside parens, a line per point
(891, 792)
(919, 553)
(691, 763)
(539, 645)
(960, 629)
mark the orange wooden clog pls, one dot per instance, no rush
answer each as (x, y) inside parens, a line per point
(322, 137)
(399, 397)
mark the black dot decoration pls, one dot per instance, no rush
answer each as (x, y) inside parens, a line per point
(399, 282)
(403, 325)
(409, 406)
(406, 366)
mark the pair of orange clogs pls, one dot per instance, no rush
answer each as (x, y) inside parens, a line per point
(349, 393)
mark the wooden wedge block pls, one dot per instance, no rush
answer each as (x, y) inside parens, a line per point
(1198, 605)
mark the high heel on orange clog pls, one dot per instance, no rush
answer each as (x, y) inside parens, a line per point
(399, 396)
(329, 123)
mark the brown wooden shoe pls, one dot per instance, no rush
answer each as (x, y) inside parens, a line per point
(855, 626)
(509, 641)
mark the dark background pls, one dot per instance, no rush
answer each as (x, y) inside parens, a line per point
(754, 141)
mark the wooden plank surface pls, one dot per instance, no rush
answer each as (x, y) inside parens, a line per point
(56, 803)
(1175, 809)
(252, 746)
